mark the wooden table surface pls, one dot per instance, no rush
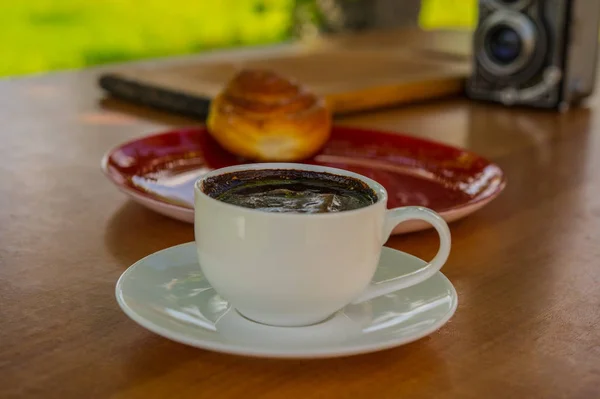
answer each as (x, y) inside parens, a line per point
(526, 267)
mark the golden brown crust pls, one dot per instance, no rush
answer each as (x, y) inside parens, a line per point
(265, 117)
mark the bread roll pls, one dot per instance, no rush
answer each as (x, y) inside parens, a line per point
(262, 116)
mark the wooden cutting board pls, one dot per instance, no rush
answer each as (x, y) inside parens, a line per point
(353, 73)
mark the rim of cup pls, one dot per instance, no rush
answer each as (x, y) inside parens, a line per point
(379, 190)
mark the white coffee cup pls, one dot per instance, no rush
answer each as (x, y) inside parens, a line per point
(294, 269)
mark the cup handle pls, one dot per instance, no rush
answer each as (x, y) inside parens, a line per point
(394, 217)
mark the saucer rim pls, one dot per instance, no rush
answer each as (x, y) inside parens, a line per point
(244, 350)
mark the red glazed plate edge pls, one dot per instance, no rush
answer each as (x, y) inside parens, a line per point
(468, 207)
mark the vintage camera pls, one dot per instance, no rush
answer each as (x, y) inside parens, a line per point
(539, 53)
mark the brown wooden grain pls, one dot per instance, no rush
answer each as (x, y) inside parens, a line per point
(389, 67)
(525, 267)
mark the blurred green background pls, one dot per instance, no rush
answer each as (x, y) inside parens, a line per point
(48, 35)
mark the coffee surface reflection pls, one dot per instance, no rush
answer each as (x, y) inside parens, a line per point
(290, 191)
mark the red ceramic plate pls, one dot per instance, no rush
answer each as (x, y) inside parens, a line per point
(159, 171)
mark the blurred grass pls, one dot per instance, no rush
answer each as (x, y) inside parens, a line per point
(46, 35)
(448, 14)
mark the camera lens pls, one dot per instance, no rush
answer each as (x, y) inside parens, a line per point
(507, 43)
(503, 44)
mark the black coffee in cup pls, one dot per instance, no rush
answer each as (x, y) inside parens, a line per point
(290, 191)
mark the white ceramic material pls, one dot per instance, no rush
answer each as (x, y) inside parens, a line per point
(291, 269)
(167, 293)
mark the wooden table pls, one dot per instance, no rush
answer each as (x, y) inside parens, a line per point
(526, 267)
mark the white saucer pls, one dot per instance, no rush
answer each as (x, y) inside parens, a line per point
(167, 294)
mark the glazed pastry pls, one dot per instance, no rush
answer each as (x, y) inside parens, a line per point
(262, 116)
